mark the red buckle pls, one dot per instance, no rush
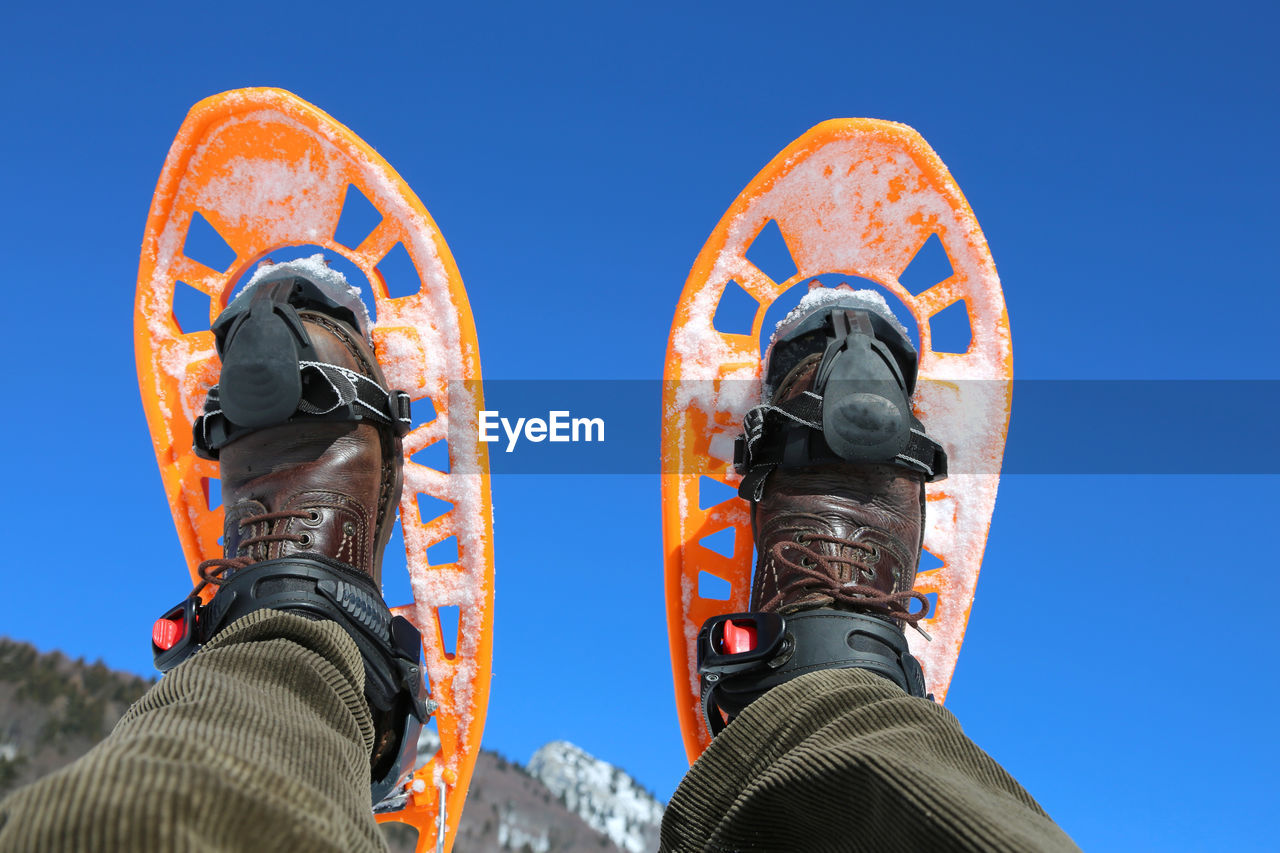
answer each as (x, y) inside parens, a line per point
(739, 638)
(166, 632)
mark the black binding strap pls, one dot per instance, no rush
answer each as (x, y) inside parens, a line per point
(785, 647)
(790, 435)
(329, 393)
(320, 588)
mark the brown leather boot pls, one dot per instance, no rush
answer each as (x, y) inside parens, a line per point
(308, 440)
(309, 488)
(835, 462)
(834, 465)
(837, 535)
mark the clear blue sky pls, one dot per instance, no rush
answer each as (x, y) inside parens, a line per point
(1121, 160)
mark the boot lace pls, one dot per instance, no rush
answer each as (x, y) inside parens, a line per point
(214, 571)
(814, 572)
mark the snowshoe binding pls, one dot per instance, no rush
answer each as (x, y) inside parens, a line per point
(270, 372)
(858, 408)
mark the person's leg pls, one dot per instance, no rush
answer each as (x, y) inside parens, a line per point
(280, 730)
(830, 743)
(259, 742)
(843, 759)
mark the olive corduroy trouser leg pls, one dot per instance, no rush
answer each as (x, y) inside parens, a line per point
(844, 760)
(260, 741)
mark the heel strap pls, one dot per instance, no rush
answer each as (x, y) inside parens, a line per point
(736, 672)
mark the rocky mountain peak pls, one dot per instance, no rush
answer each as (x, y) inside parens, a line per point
(604, 796)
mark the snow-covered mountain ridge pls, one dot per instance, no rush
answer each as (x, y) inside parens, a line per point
(552, 805)
(608, 799)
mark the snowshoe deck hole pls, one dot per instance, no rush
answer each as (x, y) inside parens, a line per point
(929, 563)
(358, 219)
(448, 615)
(713, 587)
(204, 245)
(770, 254)
(721, 542)
(928, 266)
(396, 586)
(444, 552)
(191, 308)
(736, 310)
(430, 508)
(712, 492)
(950, 330)
(398, 272)
(212, 492)
(435, 455)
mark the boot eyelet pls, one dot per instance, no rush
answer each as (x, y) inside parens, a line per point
(304, 541)
(801, 539)
(806, 562)
(313, 518)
